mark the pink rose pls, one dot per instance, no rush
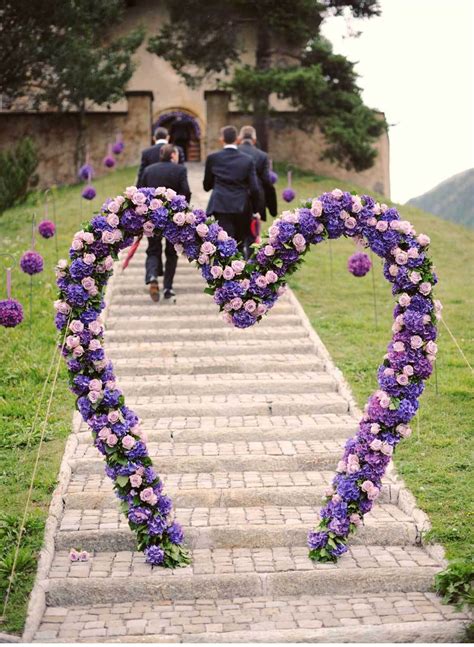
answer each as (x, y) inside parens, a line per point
(423, 240)
(76, 326)
(413, 252)
(261, 309)
(128, 441)
(236, 303)
(135, 480)
(113, 220)
(415, 277)
(95, 327)
(398, 347)
(261, 281)
(416, 342)
(77, 244)
(117, 234)
(366, 486)
(350, 222)
(408, 370)
(108, 263)
(88, 237)
(374, 428)
(337, 193)
(94, 396)
(89, 259)
(74, 555)
(402, 379)
(403, 430)
(78, 352)
(274, 231)
(376, 209)
(88, 283)
(299, 242)
(111, 384)
(238, 266)
(155, 204)
(356, 204)
(119, 199)
(148, 228)
(190, 218)
(316, 208)
(95, 344)
(382, 225)
(222, 235)
(376, 445)
(64, 307)
(179, 218)
(389, 371)
(108, 237)
(372, 221)
(72, 341)
(384, 401)
(95, 385)
(203, 259)
(141, 210)
(426, 319)
(250, 306)
(104, 433)
(281, 290)
(401, 258)
(353, 464)
(228, 273)
(425, 288)
(373, 493)
(138, 198)
(404, 300)
(130, 191)
(112, 440)
(245, 283)
(227, 307)
(178, 248)
(216, 271)
(393, 270)
(387, 449)
(268, 250)
(431, 348)
(62, 264)
(147, 494)
(170, 194)
(271, 276)
(208, 248)
(113, 416)
(160, 190)
(113, 207)
(355, 519)
(341, 467)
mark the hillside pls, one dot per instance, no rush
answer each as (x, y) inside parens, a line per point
(451, 200)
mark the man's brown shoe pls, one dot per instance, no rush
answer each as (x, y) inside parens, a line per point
(154, 291)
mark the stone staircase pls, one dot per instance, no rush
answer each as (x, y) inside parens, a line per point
(245, 428)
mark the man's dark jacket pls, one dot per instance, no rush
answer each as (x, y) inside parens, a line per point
(172, 176)
(151, 155)
(267, 199)
(231, 176)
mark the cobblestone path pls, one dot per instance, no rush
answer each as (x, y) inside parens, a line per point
(246, 427)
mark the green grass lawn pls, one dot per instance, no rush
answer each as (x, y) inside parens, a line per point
(436, 462)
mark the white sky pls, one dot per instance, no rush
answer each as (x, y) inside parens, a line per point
(416, 64)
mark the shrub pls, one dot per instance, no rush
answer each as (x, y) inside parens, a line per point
(455, 584)
(17, 172)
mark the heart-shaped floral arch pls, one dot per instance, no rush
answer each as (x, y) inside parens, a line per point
(245, 291)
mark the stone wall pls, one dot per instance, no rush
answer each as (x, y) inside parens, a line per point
(55, 136)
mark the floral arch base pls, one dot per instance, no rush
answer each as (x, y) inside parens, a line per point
(245, 291)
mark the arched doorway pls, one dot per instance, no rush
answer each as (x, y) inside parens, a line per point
(184, 131)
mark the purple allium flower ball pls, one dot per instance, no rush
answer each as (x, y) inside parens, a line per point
(47, 228)
(11, 313)
(273, 177)
(117, 148)
(86, 172)
(31, 262)
(109, 161)
(288, 194)
(359, 264)
(154, 555)
(89, 193)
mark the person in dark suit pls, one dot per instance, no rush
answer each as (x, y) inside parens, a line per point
(151, 155)
(235, 193)
(267, 194)
(174, 176)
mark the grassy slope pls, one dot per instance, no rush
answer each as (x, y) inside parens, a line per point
(435, 462)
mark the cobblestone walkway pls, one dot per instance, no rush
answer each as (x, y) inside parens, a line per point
(245, 427)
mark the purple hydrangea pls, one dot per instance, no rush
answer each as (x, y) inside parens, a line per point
(359, 264)
(317, 540)
(175, 533)
(11, 313)
(31, 262)
(89, 192)
(47, 228)
(154, 555)
(156, 526)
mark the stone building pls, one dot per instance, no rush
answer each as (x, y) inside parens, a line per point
(157, 95)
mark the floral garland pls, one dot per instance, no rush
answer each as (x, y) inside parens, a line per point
(245, 291)
(185, 118)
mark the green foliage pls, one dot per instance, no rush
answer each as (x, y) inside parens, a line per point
(292, 60)
(456, 583)
(17, 172)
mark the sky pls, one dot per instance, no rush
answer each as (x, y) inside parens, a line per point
(416, 64)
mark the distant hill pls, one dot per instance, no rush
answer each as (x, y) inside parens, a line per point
(453, 199)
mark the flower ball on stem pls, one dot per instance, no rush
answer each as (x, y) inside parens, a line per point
(47, 228)
(31, 262)
(359, 264)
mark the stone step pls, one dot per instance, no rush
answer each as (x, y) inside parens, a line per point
(158, 333)
(237, 405)
(284, 455)
(148, 365)
(222, 383)
(122, 320)
(249, 346)
(225, 489)
(184, 299)
(391, 617)
(182, 288)
(109, 576)
(259, 527)
(323, 427)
